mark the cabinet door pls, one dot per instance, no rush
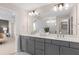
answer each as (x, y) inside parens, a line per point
(24, 43)
(31, 45)
(51, 49)
(60, 43)
(68, 51)
(39, 46)
(74, 45)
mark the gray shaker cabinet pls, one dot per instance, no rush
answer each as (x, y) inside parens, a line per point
(60, 43)
(39, 46)
(43, 46)
(23, 43)
(51, 49)
(74, 45)
(68, 51)
(73, 49)
(31, 46)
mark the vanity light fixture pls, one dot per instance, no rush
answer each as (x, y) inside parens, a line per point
(60, 6)
(33, 13)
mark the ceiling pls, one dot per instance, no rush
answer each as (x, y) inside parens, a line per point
(30, 6)
(45, 8)
(47, 11)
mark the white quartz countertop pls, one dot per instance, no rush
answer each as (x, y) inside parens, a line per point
(54, 37)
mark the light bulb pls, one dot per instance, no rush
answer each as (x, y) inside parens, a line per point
(55, 8)
(30, 14)
(66, 6)
(36, 13)
(60, 7)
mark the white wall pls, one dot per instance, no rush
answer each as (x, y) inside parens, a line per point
(23, 22)
(6, 14)
(20, 18)
(20, 22)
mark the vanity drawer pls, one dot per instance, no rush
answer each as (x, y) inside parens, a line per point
(68, 51)
(48, 41)
(24, 37)
(32, 39)
(39, 39)
(74, 45)
(61, 43)
(39, 47)
(39, 43)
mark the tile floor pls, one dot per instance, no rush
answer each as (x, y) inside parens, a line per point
(8, 47)
(22, 53)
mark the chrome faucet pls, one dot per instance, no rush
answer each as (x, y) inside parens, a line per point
(61, 35)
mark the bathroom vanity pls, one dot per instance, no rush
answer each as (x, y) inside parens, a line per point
(39, 45)
(61, 23)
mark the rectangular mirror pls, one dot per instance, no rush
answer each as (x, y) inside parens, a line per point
(55, 19)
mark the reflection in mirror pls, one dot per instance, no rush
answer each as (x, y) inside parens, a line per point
(55, 19)
(65, 26)
(48, 22)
